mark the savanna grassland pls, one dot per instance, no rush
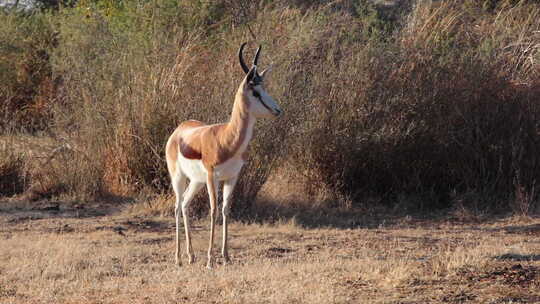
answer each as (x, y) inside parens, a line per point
(77, 254)
(404, 168)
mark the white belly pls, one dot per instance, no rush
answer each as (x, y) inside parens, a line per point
(195, 170)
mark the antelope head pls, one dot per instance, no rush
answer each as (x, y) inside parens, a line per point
(261, 104)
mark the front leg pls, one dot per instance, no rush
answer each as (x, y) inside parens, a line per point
(228, 187)
(212, 194)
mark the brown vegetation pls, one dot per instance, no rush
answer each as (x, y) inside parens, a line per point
(421, 107)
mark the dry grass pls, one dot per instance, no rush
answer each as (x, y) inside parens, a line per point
(70, 256)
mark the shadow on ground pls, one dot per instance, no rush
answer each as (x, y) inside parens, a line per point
(518, 257)
(347, 218)
(378, 216)
(17, 210)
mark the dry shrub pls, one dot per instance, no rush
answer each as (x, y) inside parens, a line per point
(12, 177)
(28, 168)
(121, 106)
(27, 88)
(425, 108)
(435, 113)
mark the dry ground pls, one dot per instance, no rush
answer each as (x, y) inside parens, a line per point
(91, 254)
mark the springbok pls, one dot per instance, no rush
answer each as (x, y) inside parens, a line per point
(210, 154)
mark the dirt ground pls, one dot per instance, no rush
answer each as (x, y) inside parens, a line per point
(54, 253)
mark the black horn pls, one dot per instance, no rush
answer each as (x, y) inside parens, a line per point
(242, 63)
(257, 55)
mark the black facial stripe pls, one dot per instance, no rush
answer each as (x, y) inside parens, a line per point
(258, 96)
(264, 104)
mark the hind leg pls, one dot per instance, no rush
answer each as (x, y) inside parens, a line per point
(192, 189)
(179, 185)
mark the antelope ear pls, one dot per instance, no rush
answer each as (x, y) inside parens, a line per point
(266, 72)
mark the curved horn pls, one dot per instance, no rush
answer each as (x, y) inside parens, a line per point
(257, 55)
(242, 63)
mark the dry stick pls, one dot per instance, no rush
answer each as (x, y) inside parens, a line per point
(215, 25)
(48, 159)
(149, 145)
(251, 32)
(244, 11)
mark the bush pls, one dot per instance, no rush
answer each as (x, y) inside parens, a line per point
(430, 106)
(434, 113)
(12, 179)
(27, 89)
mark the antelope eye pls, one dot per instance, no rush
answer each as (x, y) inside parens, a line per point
(256, 94)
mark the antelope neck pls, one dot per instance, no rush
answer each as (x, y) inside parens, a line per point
(239, 129)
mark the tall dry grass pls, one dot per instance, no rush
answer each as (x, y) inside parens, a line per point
(430, 108)
(27, 88)
(11, 173)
